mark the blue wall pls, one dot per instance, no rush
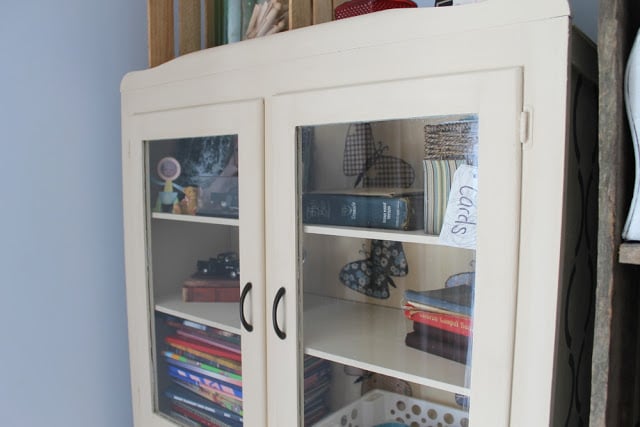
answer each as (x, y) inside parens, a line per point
(63, 336)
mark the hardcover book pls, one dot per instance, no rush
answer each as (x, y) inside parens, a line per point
(456, 299)
(186, 397)
(200, 288)
(365, 207)
(438, 334)
(233, 404)
(449, 322)
(452, 350)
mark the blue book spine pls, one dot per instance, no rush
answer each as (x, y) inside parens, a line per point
(458, 299)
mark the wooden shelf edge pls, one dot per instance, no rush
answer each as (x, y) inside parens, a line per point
(629, 253)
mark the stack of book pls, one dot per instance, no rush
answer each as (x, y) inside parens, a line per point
(204, 365)
(442, 322)
(317, 380)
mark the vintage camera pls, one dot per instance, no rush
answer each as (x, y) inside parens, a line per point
(225, 266)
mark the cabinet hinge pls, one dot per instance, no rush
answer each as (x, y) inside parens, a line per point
(525, 125)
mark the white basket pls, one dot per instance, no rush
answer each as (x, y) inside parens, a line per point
(378, 407)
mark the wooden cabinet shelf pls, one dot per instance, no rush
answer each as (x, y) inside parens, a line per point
(364, 327)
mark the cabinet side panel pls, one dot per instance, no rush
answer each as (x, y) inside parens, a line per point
(576, 309)
(543, 192)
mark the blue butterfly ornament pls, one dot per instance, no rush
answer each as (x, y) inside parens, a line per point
(372, 276)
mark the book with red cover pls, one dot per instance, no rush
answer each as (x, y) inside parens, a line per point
(200, 288)
(456, 299)
(462, 325)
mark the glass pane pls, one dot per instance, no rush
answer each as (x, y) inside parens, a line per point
(192, 188)
(387, 253)
(195, 176)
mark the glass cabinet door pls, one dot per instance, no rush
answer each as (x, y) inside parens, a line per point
(396, 242)
(202, 171)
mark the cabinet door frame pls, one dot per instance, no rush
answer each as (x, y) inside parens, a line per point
(245, 119)
(496, 96)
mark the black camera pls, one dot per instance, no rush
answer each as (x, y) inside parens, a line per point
(225, 266)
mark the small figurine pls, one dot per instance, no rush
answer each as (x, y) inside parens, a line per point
(168, 170)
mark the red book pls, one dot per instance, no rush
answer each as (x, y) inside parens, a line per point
(462, 325)
(206, 289)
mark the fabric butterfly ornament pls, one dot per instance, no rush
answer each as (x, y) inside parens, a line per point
(368, 163)
(372, 276)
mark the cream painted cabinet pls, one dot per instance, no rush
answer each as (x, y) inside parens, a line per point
(188, 327)
(392, 191)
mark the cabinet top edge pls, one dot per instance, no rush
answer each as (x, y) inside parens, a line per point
(344, 35)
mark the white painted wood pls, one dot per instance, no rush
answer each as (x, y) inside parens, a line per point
(464, 41)
(218, 315)
(363, 233)
(201, 219)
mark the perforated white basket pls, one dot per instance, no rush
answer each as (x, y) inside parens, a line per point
(379, 407)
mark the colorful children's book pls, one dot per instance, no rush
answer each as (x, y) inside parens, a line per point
(200, 329)
(213, 360)
(212, 341)
(205, 348)
(201, 368)
(188, 399)
(231, 403)
(203, 381)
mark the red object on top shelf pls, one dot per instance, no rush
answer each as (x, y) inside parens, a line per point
(361, 7)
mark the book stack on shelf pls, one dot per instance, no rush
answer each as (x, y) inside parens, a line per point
(201, 288)
(441, 321)
(204, 365)
(317, 380)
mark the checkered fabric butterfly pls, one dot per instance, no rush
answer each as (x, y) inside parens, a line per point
(372, 276)
(366, 161)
